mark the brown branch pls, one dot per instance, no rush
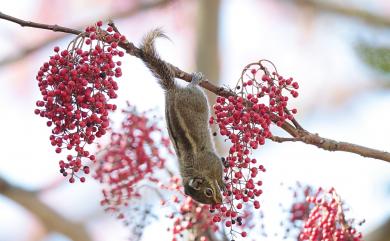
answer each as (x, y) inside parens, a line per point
(332, 145)
(23, 23)
(283, 139)
(327, 6)
(293, 120)
(52, 220)
(300, 133)
(119, 15)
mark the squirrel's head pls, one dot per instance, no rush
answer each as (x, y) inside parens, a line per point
(203, 190)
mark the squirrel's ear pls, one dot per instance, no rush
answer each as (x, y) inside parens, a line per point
(195, 183)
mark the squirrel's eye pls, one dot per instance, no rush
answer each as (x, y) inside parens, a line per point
(208, 192)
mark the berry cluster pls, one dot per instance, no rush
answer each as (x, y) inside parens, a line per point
(132, 156)
(133, 161)
(76, 85)
(326, 220)
(187, 214)
(300, 209)
(313, 215)
(245, 118)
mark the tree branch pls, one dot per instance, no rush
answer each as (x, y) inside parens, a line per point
(327, 6)
(119, 15)
(23, 23)
(283, 139)
(52, 220)
(332, 145)
(295, 131)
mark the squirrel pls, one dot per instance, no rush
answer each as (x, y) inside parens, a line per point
(187, 116)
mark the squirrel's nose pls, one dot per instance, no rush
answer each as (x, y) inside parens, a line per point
(217, 195)
(218, 199)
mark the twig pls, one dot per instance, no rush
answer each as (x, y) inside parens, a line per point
(293, 120)
(364, 15)
(119, 15)
(283, 139)
(295, 131)
(50, 218)
(112, 24)
(332, 145)
(23, 23)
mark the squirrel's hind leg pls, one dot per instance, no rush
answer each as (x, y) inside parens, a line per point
(197, 77)
(192, 98)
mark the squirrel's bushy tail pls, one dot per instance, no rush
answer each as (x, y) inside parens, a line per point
(152, 60)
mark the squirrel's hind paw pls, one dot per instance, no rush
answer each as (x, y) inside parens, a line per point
(197, 77)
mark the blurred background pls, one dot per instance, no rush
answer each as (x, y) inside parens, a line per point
(339, 52)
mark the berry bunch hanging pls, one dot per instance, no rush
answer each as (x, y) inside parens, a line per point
(189, 215)
(245, 118)
(326, 219)
(77, 84)
(133, 155)
(132, 162)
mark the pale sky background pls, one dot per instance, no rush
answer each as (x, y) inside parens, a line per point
(338, 99)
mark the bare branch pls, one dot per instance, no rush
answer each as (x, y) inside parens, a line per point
(293, 120)
(296, 132)
(119, 15)
(52, 220)
(327, 6)
(282, 139)
(30, 24)
(332, 145)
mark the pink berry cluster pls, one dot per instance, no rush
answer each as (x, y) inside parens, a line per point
(76, 85)
(132, 156)
(314, 215)
(326, 220)
(187, 214)
(133, 162)
(244, 118)
(300, 209)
